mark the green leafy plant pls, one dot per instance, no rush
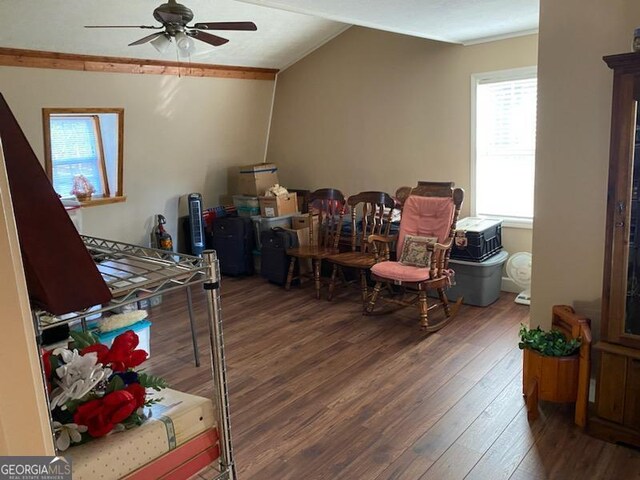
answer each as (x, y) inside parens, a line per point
(83, 339)
(151, 381)
(549, 344)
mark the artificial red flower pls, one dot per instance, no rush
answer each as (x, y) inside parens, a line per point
(46, 362)
(126, 341)
(138, 392)
(100, 416)
(92, 414)
(123, 355)
(100, 349)
(137, 357)
(119, 405)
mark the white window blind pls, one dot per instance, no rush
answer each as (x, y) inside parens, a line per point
(74, 151)
(505, 146)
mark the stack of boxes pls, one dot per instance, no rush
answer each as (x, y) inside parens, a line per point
(477, 258)
(268, 212)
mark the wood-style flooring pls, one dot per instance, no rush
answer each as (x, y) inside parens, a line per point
(317, 391)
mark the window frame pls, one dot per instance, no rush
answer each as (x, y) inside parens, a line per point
(108, 196)
(490, 77)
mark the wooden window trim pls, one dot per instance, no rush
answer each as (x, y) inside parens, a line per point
(93, 112)
(103, 163)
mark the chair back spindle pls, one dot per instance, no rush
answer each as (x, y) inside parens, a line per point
(371, 214)
(329, 204)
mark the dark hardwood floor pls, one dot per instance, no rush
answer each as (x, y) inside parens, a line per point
(320, 392)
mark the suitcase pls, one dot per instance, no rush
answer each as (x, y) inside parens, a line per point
(274, 260)
(233, 241)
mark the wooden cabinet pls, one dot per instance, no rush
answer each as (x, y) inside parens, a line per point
(617, 411)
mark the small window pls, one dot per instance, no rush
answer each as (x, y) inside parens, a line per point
(87, 143)
(503, 145)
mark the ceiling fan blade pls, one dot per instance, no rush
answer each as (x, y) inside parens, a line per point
(146, 39)
(214, 40)
(226, 26)
(122, 26)
(168, 17)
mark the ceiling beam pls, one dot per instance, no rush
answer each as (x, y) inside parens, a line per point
(13, 57)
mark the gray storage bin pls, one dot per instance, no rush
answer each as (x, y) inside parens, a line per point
(265, 223)
(479, 283)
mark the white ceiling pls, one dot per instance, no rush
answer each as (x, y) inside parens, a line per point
(456, 21)
(282, 38)
(287, 29)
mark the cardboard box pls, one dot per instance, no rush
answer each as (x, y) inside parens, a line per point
(278, 206)
(303, 199)
(303, 235)
(301, 222)
(176, 418)
(253, 180)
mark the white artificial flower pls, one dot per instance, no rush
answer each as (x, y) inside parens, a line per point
(67, 433)
(77, 376)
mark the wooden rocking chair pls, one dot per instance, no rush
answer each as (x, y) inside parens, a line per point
(431, 210)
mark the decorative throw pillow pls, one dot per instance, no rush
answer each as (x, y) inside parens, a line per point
(415, 252)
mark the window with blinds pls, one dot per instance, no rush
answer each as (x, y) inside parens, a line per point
(76, 149)
(504, 146)
(85, 142)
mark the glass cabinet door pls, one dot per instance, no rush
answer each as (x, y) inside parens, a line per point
(620, 322)
(632, 310)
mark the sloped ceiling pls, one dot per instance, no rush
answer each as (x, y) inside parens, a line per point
(282, 38)
(287, 29)
(455, 21)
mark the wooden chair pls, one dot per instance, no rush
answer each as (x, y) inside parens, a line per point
(431, 210)
(370, 215)
(329, 205)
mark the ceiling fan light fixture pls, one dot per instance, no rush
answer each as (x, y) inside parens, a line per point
(186, 45)
(161, 43)
(175, 19)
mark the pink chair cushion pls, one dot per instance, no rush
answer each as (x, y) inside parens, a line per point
(398, 271)
(426, 217)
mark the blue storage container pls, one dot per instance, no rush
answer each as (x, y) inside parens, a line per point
(141, 328)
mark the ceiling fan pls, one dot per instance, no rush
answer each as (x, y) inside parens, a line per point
(174, 18)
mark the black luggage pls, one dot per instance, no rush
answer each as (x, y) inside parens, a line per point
(233, 241)
(274, 261)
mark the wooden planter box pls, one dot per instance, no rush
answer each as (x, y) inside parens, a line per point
(560, 379)
(554, 379)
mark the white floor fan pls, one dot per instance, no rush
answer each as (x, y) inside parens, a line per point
(519, 270)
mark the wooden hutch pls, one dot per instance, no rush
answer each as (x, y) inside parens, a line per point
(616, 416)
